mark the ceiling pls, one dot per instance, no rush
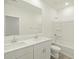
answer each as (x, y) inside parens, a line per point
(22, 4)
(58, 4)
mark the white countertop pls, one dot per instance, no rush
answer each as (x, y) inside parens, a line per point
(24, 43)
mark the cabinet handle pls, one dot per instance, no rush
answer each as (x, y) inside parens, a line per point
(44, 50)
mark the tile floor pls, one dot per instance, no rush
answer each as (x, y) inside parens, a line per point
(62, 56)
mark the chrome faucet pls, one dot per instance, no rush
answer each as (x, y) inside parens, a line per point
(36, 36)
(14, 39)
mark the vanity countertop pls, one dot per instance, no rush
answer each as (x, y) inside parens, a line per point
(24, 43)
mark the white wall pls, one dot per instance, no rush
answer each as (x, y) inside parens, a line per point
(67, 13)
(28, 18)
(64, 24)
(66, 16)
(65, 34)
(35, 3)
(68, 34)
(48, 17)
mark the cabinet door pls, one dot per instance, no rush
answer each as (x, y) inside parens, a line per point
(9, 56)
(42, 50)
(25, 53)
(27, 56)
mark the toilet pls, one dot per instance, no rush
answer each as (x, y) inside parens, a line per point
(55, 52)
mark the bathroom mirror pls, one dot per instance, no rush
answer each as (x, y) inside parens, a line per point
(22, 18)
(11, 25)
(14, 26)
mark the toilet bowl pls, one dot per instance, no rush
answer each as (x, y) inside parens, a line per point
(55, 51)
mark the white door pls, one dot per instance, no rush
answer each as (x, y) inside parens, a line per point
(42, 51)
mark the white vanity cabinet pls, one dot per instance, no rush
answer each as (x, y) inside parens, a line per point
(42, 50)
(22, 53)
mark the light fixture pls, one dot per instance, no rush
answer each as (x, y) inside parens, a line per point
(66, 3)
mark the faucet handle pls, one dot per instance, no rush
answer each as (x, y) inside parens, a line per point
(36, 36)
(14, 39)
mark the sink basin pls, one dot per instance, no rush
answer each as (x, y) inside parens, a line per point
(13, 45)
